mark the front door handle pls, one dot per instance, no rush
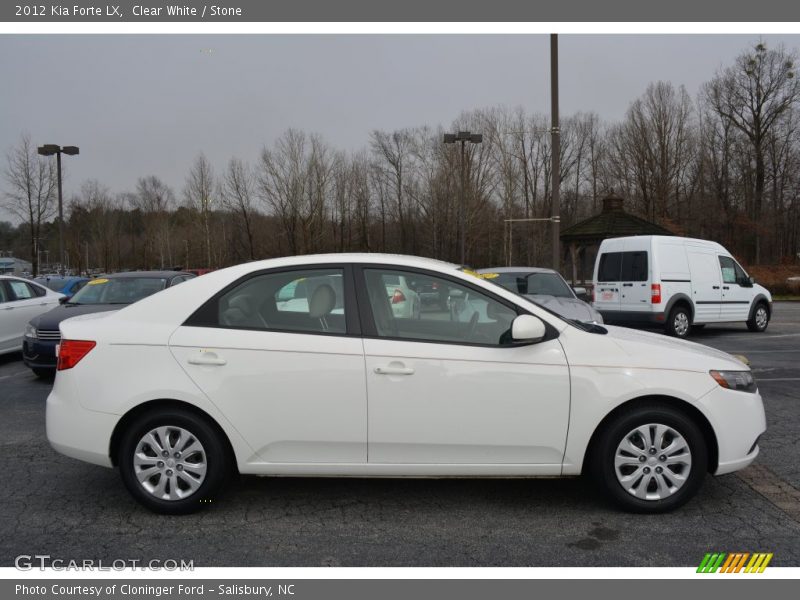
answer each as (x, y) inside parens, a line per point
(725, 287)
(394, 370)
(207, 358)
(627, 285)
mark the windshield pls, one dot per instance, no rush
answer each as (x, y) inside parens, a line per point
(122, 290)
(535, 284)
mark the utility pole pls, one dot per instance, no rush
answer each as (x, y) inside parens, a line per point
(463, 137)
(555, 136)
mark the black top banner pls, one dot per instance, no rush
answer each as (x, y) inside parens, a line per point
(400, 10)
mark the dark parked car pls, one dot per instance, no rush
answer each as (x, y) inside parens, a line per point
(109, 292)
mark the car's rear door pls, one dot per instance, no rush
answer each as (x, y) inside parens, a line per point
(454, 392)
(289, 376)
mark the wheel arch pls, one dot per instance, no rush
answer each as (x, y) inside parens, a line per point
(686, 408)
(759, 299)
(677, 299)
(165, 403)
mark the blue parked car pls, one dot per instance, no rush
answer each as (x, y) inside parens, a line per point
(63, 285)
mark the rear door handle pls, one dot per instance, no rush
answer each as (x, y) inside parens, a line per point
(716, 287)
(627, 285)
(392, 370)
(207, 358)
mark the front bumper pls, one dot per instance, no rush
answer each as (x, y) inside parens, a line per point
(738, 421)
(39, 354)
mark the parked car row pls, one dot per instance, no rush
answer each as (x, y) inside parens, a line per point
(31, 311)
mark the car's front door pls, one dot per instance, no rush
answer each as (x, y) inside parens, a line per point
(451, 388)
(737, 291)
(277, 353)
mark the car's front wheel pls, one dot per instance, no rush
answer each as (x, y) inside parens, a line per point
(650, 459)
(173, 461)
(760, 319)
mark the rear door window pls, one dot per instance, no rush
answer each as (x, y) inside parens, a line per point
(610, 266)
(634, 266)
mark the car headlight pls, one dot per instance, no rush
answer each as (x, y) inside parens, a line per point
(741, 381)
(30, 331)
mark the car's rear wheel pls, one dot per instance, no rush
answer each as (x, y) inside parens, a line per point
(760, 319)
(679, 322)
(173, 461)
(650, 459)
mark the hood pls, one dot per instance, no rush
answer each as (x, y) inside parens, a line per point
(50, 320)
(645, 346)
(570, 308)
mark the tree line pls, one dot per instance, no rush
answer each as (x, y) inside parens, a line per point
(723, 166)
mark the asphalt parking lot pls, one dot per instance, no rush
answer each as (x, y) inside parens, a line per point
(53, 505)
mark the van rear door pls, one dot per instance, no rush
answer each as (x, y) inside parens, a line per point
(635, 280)
(706, 288)
(607, 281)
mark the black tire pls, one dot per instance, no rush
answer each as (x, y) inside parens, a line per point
(759, 323)
(679, 322)
(46, 374)
(216, 455)
(603, 451)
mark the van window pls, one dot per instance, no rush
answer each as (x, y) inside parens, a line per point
(731, 271)
(634, 266)
(610, 265)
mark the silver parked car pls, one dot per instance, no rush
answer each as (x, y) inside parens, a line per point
(547, 288)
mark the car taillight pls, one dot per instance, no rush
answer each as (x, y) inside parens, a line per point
(70, 352)
(655, 293)
(398, 297)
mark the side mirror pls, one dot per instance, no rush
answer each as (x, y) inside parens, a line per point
(527, 328)
(579, 291)
(63, 299)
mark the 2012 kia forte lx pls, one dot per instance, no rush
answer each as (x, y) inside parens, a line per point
(302, 366)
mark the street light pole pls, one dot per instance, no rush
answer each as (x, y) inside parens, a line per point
(49, 150)
(463, 137)
(555, 133)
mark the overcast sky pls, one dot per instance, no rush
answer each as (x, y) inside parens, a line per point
(140, 104)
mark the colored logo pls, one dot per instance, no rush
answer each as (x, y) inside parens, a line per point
(734, 562)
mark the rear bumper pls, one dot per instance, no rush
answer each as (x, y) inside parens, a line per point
(75, 431)
(614, 317)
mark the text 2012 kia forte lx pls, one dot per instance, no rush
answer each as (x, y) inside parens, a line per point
(301, 366)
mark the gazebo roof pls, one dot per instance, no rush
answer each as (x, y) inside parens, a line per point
(612, 221)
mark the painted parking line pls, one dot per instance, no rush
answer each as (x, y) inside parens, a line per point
(14, 374)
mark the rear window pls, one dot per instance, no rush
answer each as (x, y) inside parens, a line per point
(623, 266)
(634, 266)
(610, 265)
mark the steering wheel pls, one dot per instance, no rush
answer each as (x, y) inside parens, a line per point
(473, 325)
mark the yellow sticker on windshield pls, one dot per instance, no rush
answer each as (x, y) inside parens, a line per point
(488, 275)
(97, 281)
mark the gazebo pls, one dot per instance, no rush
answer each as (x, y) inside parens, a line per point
(583, 238)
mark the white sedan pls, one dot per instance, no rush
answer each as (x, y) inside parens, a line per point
(20, 301)
(219, 375)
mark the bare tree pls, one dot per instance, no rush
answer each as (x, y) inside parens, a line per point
(754, 95)
(31, 190)
(237, 196)
(155, 199)
(199, 194)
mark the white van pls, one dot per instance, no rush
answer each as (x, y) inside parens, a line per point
(675, 282)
